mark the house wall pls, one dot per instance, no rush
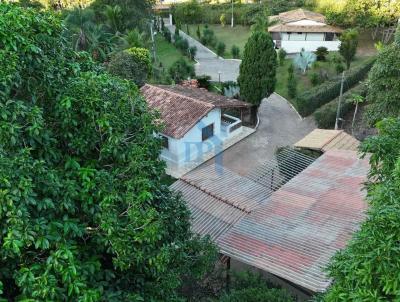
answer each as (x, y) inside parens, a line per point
(303, 36)
(305, 23)
(296, 46)
(191, 147)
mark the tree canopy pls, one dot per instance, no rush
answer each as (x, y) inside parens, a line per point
(383, 96)
(368, 268)
(83, 213)
(257, 77)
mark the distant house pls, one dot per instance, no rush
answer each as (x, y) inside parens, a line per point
(196, 126)
(300, 28)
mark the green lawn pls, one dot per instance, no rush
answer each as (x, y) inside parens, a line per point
(237, 35)
(303, 80)
(167, 53)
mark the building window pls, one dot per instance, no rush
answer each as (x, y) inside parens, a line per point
(299, 33)
(165, 142)
(207, 132)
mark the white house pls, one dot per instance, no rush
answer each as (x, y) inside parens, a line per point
(300, 28)
(196, 127)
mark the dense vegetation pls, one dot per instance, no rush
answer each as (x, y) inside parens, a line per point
(384, 83)
(84, 215)
(368, 269)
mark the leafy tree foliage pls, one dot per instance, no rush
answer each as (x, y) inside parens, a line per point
(384, 85)
(367, 270)
(321, 52)
(83, 213)
(348, 45)
(257, 76)
(250, 287)
(292, 82)
(131, 64)
(221, 48)
(181, 70)
(235, 51)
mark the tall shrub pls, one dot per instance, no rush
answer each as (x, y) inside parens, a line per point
(348, 45)
(384, 83)
(257, 77)
(292, 82)
(84, 215)
(132, 64)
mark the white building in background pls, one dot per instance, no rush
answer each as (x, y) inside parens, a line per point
(196, 127)
(300, 28)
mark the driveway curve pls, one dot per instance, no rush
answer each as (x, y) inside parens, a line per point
(280, 125)
(209, 63)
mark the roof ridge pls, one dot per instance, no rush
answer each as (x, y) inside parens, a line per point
(224, 200)
(330, 140)
(185, 96)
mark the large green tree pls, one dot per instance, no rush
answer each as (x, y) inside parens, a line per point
(257, 76)
(383, 96)
(348, 45)
(368, 268)
(83, 213)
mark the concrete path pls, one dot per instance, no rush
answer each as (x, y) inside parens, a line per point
(208, 62)
(280, 125)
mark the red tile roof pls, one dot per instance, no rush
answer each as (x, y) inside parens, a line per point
(304, 223)
(182, 107)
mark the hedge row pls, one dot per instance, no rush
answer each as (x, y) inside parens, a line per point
(325, 116)
(314, 98)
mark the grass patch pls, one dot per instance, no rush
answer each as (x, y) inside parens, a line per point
(237, 35)
(303, 80)
(167, 53)
(167, 180)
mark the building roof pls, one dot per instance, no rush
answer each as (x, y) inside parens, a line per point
(182, 107)
(218, 198)
(301, 14)
(304, 28)
(294, 234)
(324, 140)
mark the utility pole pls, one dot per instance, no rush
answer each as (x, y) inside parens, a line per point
(232, 15)
(340, 103)
(153, 41)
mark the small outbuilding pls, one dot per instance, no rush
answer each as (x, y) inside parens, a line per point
(197, 124)
(302, 29)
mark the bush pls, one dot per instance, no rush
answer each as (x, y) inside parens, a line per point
(181, 70)
(314, 98)
(314, 78)
(339, 68)
(282, 55)
(222, 19)
(322, 53)
(325, 116)
(208, 36)
(131, 64)
(292, 82)
(221, 48)
(182, 45)
(198, 32)
(204, 81)
(167, 35)
(192, 52)
(235, 51)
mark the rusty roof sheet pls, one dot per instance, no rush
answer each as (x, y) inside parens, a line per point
(218, 198)
(305, 222)
(301, 14)
(325, 140)
(182, 107)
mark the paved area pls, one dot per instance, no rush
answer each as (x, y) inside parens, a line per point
(208, 62)
(280, 125)
(227, 143)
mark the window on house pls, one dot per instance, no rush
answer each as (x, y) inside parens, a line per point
(299, 33)
(207, 132)
(165, 142)
(329, 36)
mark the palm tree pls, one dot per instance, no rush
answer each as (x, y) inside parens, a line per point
(113, 15)
(100, 42)
(135, 38)
(78, 23)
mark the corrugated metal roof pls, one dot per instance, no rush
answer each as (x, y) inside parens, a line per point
(218, 198)
(325, 140)
(305, 222)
